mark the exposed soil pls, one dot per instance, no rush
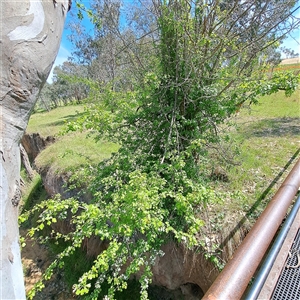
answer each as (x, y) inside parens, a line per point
(36, 258)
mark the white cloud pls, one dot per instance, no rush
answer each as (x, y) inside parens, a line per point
(62, 56)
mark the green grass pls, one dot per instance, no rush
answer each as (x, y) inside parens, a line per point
(74, 150)
(51, 123)
(268, 137)
(32, 191)
(276, 105)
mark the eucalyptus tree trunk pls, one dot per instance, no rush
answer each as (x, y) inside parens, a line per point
(30, 37)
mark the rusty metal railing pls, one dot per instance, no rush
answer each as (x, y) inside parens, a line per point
(261, 276)
(235, 277)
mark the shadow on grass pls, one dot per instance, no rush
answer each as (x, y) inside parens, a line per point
(65, 119)
(273, 127)
(258, 201)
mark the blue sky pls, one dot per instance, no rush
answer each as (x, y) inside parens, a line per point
(65, 50)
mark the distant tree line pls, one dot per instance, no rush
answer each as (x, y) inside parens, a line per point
(122, 46)
(162, 79)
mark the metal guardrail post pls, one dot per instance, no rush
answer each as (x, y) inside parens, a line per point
(233, 280)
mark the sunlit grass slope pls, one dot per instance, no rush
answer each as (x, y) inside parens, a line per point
(269, 137)
(71, 151)
(50, 123)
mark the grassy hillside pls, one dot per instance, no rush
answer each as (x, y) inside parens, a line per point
(71, 151)
(50, 123)
(267, 135)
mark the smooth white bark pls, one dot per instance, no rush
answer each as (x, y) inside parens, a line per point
(31, 30)
(30, 36)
